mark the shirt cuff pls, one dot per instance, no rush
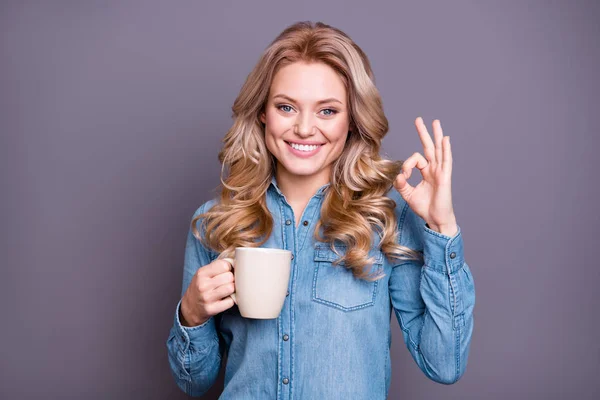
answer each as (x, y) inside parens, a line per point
(443, 253)
(199, 335)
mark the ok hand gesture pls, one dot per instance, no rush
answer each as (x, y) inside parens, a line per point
(431, 199)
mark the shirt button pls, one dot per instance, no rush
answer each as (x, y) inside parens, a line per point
(452, 255)
(305, 223)
(285, 381)
(288, 222)
(285, 337)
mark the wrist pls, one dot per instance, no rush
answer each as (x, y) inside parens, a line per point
(182, 319)
(183, 312)
(448, 229)
(189, 321)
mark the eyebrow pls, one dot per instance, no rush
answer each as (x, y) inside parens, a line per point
(331, 99)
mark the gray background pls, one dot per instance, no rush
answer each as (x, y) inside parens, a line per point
(111, 116)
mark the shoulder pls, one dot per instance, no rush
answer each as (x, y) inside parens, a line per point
(204, 207)
(200, 229)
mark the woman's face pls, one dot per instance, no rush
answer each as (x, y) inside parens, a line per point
(306, 120)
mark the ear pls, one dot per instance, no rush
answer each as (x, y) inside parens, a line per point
(263, 118)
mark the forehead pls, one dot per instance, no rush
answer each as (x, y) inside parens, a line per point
(308, 82)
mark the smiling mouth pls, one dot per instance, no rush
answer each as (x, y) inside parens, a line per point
(304, 147)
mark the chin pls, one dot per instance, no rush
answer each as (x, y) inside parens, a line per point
(301, 171)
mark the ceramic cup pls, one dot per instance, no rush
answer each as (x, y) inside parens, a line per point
(261, 279)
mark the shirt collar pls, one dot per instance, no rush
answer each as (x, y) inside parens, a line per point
(273, 186)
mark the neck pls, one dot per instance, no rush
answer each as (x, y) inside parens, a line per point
(299, 189)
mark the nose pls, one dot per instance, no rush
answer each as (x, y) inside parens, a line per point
(305, 125)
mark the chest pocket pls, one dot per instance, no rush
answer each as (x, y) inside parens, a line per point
(335, 286)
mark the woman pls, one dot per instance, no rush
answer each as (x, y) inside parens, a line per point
(302, 171)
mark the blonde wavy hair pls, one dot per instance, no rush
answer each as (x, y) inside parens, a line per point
(355, 204)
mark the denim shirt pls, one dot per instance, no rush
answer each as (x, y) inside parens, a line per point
(332, 338)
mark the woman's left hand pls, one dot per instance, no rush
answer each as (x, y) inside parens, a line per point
(431, 199)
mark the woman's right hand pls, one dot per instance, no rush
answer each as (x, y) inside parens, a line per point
(208, 293)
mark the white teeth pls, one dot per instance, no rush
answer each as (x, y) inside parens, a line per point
(303, 147)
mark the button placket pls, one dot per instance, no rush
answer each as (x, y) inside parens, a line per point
(289, 242)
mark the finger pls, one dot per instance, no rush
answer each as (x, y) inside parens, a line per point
(422, 163)
(222, 305)
(222, 291)
(231, 261)
(407, 166)
(428, 145)
(447, 163)
(416, 160)
(222, 279)
(402, 185)
(438, 135)
(400, 182)
(215, 268)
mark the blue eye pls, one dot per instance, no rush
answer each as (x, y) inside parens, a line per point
(333, 112)
(283, 105)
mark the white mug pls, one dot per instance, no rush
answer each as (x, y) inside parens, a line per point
(261, 279)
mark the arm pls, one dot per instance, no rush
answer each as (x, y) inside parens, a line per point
(434, 301)
(194, 353)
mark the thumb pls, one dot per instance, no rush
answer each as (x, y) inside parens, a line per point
(402, 186)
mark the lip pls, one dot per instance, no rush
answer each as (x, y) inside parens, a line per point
(303, 154)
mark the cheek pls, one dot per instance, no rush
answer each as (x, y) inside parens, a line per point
(276, 124)
(270, 143)
(272, 134)
(338, 149)
(340, 141)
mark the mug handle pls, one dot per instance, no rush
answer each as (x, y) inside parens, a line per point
(231, 261)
